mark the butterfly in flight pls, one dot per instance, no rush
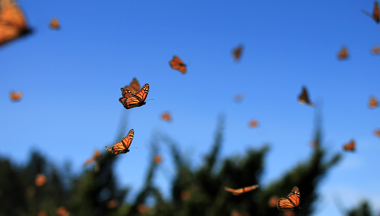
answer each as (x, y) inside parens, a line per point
(303, 98)
(241, 190)
(133, 87)
(343, 53)
(375, 50)
(122, 147)
(177, 64)
(350, 146)
(253, 123)
(15, 96)
(375, 14)
(377, 132)
(291, 202)
(135, 99)
(54, 24)
(12, 22)
(236, 53)
(166, 116)
(238, 98)
(373, 103)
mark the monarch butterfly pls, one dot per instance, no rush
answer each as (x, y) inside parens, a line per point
(375, 50)
(54, 23)
(40, 180)
(241, 190)
(343, 53)
(62, 211)
(166, 116)
(15, 96)
(303, 98)
(239, 98)
(236, 53)
(122, 147)
(373, 103)
(112, 204)
(94, 158)
(291, 202)
(135, 100)
(133, 87)
(253, 123)
(377, 132)
(12, 22)
(157, 159)
(349, 146)
(177, 64)
(375, 14)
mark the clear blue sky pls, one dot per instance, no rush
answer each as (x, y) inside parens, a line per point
(71, 81)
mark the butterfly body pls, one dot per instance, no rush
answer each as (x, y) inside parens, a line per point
(291, 202)
(122, 147)
(135, 99)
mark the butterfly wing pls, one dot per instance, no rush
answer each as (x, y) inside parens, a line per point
(122, 146)
(15, 96)
(291, 202)
(177, 64)
(12, 22)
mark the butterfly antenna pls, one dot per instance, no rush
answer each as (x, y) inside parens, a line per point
(150, 99)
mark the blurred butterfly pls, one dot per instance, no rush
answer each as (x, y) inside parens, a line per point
(343, 53)
(12, 22)
(373, 103)
(141, 208)
(42, 213)
(291, 202)
(62, 211)
(94, 158)
(272, 202)
(241, 190)
(135, 100)
(54, 23)
(166, 116)
(112, 204)
(349, 146)
(375, 50)
(253, 123)
(236, 53)
(133, 87)
(122, 147)
(40, 180)
(303, 98)
(157, 159)
(15, 96)
(239, 98)
(375, 14)
(377, 132)
(177, 64)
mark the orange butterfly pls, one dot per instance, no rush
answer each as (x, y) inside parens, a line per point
(239, 98)
(241, 190)
(135, 100)
(236, 53)
(12, 22)
(273, 201)
(94, 158)
(373, 103)
(141, 208)
(375, 50)
(377, 132)
(157, 159)
(253, 123)
(291, 202)
(303, 98)
(133, 87)
(112, 204)
(62, 211)
(40, 180)
(349, 146)
(343, 53)
(375, 14)
(15, 96)
(177, 64)
(54, 23)
(166, 116)
(122, 147)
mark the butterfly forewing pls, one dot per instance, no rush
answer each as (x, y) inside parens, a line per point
(133, 87)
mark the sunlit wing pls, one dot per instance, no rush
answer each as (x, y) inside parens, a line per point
(241, 190)
(133, 87)
(136, 100)
(291, 202)
(12, 22)
(177, 64)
